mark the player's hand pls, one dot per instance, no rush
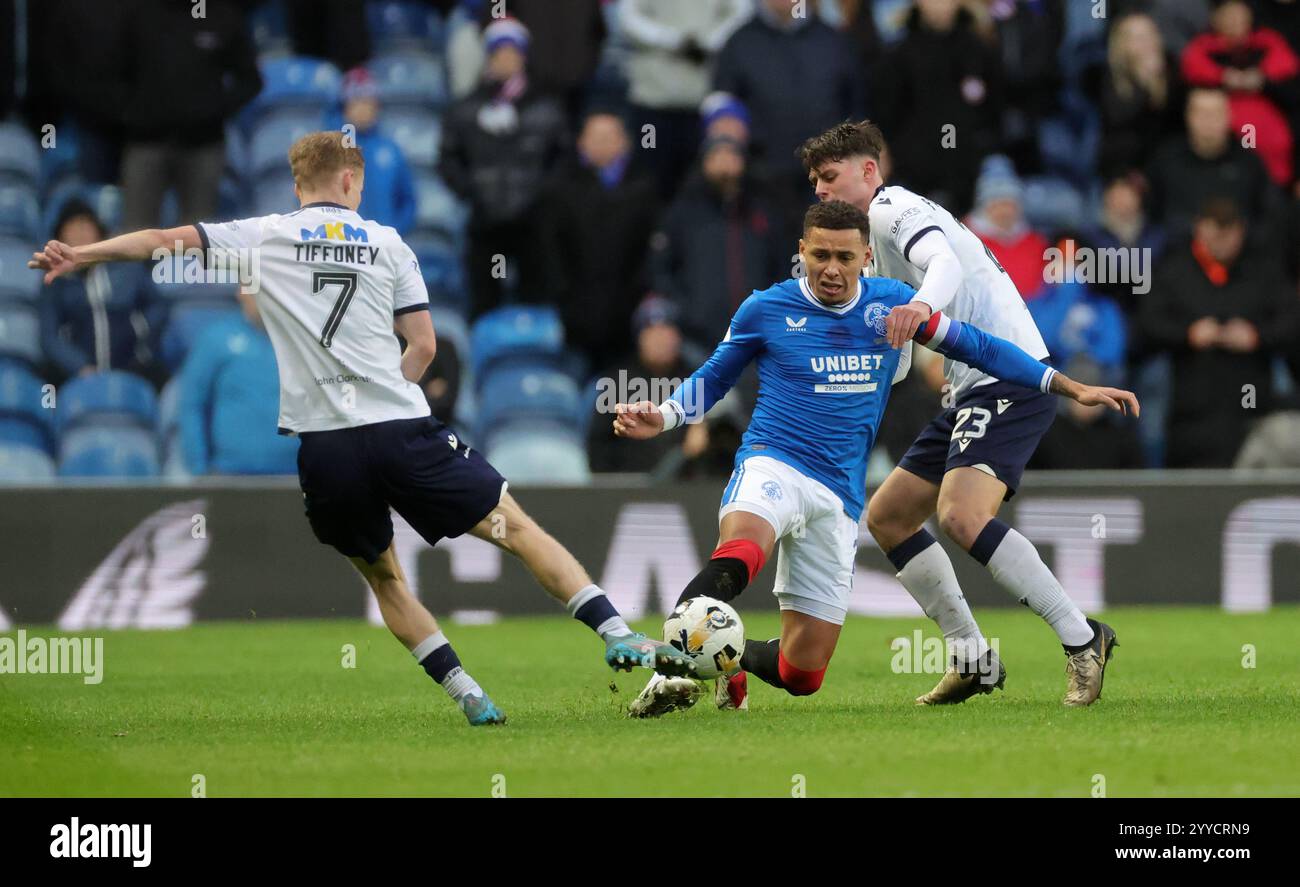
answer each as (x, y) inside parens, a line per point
(638, 421)
(903, 321)
(1117, 399)
(56, 260)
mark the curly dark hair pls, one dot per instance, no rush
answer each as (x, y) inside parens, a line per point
(836, 215)
(845, 139)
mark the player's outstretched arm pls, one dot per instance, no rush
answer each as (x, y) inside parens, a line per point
(1010, 363)
(58, 259)
(1117, 399)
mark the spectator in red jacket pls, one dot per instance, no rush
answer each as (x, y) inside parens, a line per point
(1259, 71)
(999, 221)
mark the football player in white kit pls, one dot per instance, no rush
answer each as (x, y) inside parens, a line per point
(970, 458)
(333, 288)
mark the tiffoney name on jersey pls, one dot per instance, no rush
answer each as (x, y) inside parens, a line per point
(347, 253)
(846, 373)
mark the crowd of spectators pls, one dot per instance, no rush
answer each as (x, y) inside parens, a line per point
(628, 168)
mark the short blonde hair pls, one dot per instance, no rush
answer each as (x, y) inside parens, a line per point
(317, 157)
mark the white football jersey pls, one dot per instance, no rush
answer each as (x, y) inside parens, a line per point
(986, 299)
(329, 285)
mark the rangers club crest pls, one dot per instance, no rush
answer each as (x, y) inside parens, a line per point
(875, 317)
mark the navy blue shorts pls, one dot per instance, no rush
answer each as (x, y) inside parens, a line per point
(351, 476)
(995, 426)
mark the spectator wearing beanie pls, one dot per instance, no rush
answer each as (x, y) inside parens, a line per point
(389, 193)
(999, 221)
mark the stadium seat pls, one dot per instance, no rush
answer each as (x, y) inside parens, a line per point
(105, 200)
(114, 398)
(273, 194)
(178, 291)
(540, 455)
(20, 332)
(443, 270)
(96, 451)
(17, 281)
(437, 209)
(295, 82)
(410, 79)
(20, 156)
(185, 324)
(19, 463)
(22, 408)
(20, 214)
(418, 133)
(513, 392)
(396, 25)
(274, 134)
(515, 331)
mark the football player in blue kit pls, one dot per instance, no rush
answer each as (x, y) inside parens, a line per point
(825, 368)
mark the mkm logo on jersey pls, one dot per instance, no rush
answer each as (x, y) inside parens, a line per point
(335, 231)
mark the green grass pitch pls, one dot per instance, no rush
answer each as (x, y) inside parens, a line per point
(266, 708)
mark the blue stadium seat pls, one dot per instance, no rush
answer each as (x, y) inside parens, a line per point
(22, 408)
(20, 213)
(60, 160)
(215, 294)
(418, 133)
(185, 324)
(110, 398)
(410, 79)
(20, 332)
(443, 270)
(539, 455)
(437, 208)
(17, 281)
(20, 156)
(19, 463)
(515, 331)
(512, 392)
(105, 200)
(396, 25)
(97, 451)
(294, 82)
(273, 194)
(274, 134)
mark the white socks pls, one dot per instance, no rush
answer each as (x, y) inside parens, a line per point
(1015, 564)
(927, 574)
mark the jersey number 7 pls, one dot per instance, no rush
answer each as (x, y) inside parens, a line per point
(347, 283)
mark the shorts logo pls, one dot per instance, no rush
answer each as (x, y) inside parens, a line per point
(875, 317)
(451, 439)
(772, 491)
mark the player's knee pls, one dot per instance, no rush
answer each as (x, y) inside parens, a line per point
(961, 524)
(799, 681)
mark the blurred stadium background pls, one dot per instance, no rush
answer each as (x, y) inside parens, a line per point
(592, 188)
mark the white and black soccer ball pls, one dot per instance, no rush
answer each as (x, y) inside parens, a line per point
(708, 631)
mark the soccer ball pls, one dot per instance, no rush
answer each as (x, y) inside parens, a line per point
(708, 631)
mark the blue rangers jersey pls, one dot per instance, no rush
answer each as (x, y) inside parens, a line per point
(824, 375)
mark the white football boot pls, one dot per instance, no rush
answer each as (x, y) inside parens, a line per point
(662, 695)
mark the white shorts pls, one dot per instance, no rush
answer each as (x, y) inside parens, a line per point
(817, 542)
